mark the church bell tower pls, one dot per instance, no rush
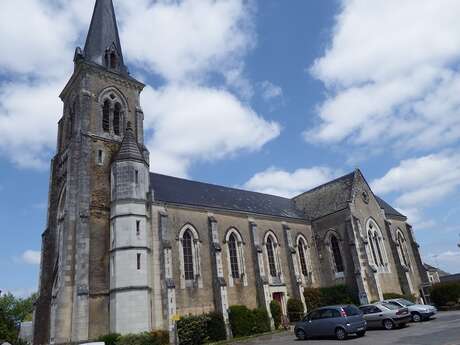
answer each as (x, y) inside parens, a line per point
(100, 138)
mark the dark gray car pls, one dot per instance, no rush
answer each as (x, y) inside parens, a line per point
(338, 321)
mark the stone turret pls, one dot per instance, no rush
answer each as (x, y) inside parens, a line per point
(130, 249)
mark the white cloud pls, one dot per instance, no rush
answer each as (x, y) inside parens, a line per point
(449, 260)
(421, 181)
(31, 257)
(187, 42)
(390, 76)
(270, 90)
(193, 123)
(189, 38)
(289, 184)
(19, 292)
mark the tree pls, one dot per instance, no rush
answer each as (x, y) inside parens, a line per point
(13, 311)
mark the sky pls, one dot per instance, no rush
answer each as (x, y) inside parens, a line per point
(268, 95)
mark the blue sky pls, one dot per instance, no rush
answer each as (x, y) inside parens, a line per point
(268, 95)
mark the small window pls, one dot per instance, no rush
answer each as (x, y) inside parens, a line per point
(233, 252)
(336, 254)
(138, 227)
(116, 119)
(106, 116)
(271, 257)
(303, 261)
(136, 176)
(113, 60)
(138, 261)
(99, 157)
(188, 256)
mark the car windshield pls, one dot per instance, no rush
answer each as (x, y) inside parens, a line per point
(352, 310)
(390, 306)
(405, 302)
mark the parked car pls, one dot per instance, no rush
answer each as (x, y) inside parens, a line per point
(338, 321)
(385, 315)
(419, 312)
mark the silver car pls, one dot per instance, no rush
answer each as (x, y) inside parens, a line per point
(419, 312)
(385, 315)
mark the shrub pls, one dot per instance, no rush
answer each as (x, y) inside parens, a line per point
(109, 339)
(160, 337)
(443, 294)
(215, 327)
(241, 321)
(146, 338)
(338, 294)
(295, 309)
(199, 329)
(312, 298)
(391, 295)
(261, 321)
(192, 330)
(275, 309)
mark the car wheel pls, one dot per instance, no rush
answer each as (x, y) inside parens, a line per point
(300, 334)
(361, 333)
(416, 317)
(388, 324)
(340, 334)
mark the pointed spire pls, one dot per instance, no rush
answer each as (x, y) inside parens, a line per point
(103, 42)
(129, 149)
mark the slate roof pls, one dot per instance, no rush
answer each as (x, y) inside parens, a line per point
(103, 33)
(185, 192)
(389, 210)
(328, 198)
(129, 149)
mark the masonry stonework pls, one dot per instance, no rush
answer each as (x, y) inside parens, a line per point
(126, 250)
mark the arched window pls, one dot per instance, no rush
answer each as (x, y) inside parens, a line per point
(402, 250)
(302, 257)
(371, 241)
(271, 257)
(233, 253)
(336, 254)
(187, 247)
(379, 251)
(116, 119)
(106, 116)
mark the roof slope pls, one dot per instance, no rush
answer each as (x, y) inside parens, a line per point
(129, 149)
(327, 198)
(389, 210)
(180, 191)
(103, 33)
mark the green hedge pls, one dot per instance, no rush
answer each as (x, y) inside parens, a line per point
(110, 339)
(391, 295)
(338, 294)
(444, 294)
(200, 329)
(295, 310)
(275, 309)
(245, 322)
(146, 338)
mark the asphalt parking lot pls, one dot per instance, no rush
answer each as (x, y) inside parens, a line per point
(442, 330)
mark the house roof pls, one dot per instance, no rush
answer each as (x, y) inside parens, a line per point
(185, 192)
(389, 210)
(327, 198)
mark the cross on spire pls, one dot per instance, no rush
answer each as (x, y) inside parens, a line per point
(103, 42)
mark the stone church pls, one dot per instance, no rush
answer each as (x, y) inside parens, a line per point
(126, 250)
